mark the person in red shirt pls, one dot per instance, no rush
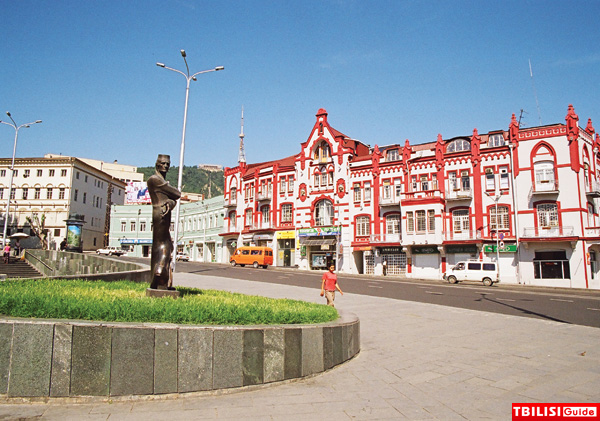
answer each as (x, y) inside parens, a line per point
(329, 285)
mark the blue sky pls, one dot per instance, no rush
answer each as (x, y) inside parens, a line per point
(385, 71)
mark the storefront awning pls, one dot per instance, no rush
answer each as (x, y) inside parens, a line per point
(316, 241)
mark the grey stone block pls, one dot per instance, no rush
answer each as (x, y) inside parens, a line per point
(31, 360)
(293, 353)
(327, 348)
(195, 356)
(253, 357)
(165, 361)
(132, 363)
(356, 349)
(338, 345)
(312, 350)
(6, 334)
(60, 380)
(90, 370)
(228, 346)
(274, 355)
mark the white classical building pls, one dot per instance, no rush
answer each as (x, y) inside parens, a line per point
(59, 188)
(527, 197)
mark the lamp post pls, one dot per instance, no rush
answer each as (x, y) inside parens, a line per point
(12, 167)
(496, 198)
(188, 79)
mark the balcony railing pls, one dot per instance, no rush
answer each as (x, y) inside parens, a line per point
(264, 196)
(421, 194)
(592, 232)
(234, 228)
(544, 186)
(386, 238)
(260, 226)
(459, 194)
(389, 201)
(231, 202)
(593, 189)
(463, 235)
(548, 232)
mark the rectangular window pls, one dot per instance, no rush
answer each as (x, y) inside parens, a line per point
(367, 191)
(75, 194)
(431, 220)
(357, 192)
(286, 213)
(465, 181)
(392, 224)
(502, 218)
(363, 226)
(26, 173)
(410, 222)
(25, 191)
(13, 192)
(2, 173)
(123, 226)
(291, 185)
(452, 182)
(63, 173)
(1, 193)
(415, 186)
(490, 180)
(460, 219)
(547, 215)
(424, 183)
(38, 193)
(132, 226)
(398, 188)
(421, 221)
(142, 226)
(84, 197)
(282, 188)
(61, 193)
(49, 193)
(387, 190)
(51, 173)
(77, 175)
(504, 178)
(324, 179)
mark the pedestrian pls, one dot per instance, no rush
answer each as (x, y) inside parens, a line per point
(384, 267)
(7, 253)
(17, 248)
(329, 284)
(63, 244)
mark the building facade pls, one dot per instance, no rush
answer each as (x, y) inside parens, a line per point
(59, 188)
(200, 224)
(526, 197)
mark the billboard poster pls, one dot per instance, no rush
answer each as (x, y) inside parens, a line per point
(137, 193)
(74, 236)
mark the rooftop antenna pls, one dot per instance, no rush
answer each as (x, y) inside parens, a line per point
(242, 154)
(535, 92)
(521, 115)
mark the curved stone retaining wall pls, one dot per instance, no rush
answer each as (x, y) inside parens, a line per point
(50, 358)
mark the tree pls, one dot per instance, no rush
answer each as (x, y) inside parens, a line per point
(38, 228)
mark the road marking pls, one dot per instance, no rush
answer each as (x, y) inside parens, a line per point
(375, 286)
(505, 299)
(594, 309)
(434, 293)
(558, 299)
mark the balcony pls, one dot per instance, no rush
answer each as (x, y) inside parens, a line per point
(464, 235)
(386, 238)
(593, 189)
(264, 197)
(421, 194)
(548, 232)
(459, 194)
(389, 201)
(230, 203)
(544, 187)
(592, 232)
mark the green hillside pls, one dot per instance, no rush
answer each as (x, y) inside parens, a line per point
(195, 180)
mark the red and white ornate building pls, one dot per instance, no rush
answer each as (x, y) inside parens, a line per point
(527, 197)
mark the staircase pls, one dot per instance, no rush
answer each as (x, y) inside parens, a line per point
(18, 268)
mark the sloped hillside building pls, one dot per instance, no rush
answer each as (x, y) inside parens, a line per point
(527, 197)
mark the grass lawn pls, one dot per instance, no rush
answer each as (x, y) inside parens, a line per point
(125, 301)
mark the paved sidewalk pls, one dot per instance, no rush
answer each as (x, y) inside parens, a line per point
(417, 362)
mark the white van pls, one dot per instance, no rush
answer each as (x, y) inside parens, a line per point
(473, 270)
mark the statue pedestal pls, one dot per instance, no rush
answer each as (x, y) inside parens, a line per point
(159, 293)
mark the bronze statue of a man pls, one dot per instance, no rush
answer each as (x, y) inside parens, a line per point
(164, 198)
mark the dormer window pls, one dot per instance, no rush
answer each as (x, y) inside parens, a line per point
(392, 155)
(458, 145)
(322, 152)
(496, 140)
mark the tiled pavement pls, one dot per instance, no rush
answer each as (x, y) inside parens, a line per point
(417, 362)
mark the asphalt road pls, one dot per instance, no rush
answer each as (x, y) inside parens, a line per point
(581, 307)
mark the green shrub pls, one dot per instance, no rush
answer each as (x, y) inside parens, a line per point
(125, 301)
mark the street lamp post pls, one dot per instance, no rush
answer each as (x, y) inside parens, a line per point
(12, 167)
(496, 198)
(182, 151)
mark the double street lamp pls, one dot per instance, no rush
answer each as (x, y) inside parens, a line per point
(182, 151)
(12, 168)
(496, 198)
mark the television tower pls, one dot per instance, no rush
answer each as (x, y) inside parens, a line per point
(242, 154)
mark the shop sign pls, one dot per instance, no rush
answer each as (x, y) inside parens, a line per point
(461, 249)
(285, 235)
(425, 250)
(136, 240)
(315, 232)
(263, 237)
(390, 250)
(362, 248)
(508, 248)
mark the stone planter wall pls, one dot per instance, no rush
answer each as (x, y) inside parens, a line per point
(50, 358)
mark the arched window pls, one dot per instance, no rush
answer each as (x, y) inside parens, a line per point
(458, 145)
(496, 140)
(322, 152)
(324, 213)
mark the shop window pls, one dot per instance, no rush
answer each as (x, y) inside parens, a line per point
(551, 265)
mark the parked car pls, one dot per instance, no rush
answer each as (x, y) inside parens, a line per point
(255, 256)
(182, 257)
(473, 270)
(111, 251)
